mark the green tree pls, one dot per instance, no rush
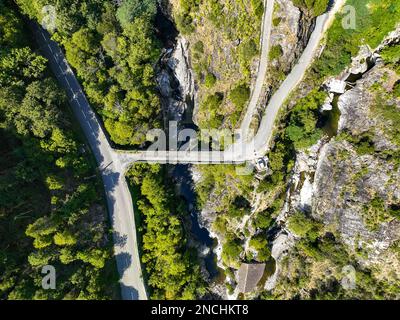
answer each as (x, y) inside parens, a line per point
(131, 9)
(65, 238)
(304, 226)
(240, 95)
(260, 244)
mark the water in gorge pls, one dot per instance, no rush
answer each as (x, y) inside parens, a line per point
(178, 105)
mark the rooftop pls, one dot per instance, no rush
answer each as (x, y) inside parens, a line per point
(249, 276)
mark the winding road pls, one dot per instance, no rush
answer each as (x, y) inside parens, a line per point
(242, 149)
(263, 137)
(262, 68)
(119, 200)
(113, 163)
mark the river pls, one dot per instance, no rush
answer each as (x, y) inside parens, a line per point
(168, 34)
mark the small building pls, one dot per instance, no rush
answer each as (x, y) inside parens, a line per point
(336, 86)
(249, 276)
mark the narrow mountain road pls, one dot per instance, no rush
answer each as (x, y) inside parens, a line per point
(119, 200)
(263, 137)
(113, 163)
(243, 150)
(263, 66)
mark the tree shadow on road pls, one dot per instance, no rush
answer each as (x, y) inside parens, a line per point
(119, 239)
(124, 261)
(129, 293)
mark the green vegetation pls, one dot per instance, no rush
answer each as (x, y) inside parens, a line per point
(224, 37)
(211, 111)
(247, 52)
(377, 212)
(276, 52)
(240, 96)
(51, 206)
(184, 19)
(232, 192)
(114, 61)
(227, 185)
(132, 9)
(231, 251)
(315, 7)
(210, 80)
(302, 129)
(313, 269)
(260, 244)
(391, 54)
(374, 20)
(304, 226)
(171, 265)
(386, 109)
(276, 21)
(396, 90)
(258, 8)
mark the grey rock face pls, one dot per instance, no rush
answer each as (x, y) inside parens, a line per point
(175, 81)
(179, 62)
(339, 198)
(360, 62)
(355, 107)
(346, 182)
(286, 33)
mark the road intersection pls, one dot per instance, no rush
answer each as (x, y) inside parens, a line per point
(115, 163)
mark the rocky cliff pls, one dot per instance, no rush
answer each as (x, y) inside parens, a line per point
(350, 184)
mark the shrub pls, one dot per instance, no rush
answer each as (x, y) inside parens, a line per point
(248, 50)
(276, 52)
(258, 8)
(276, 21)
(260, 244)
(198, 47)
(231, 251)
(210, 80)
(391, 54)
(304, 226)
(216, 15)
(130, 9)
(240, 95)
(302, 128)
(317, 7)
(396, 90)
(263, 220)
(184, 23)
(210, 111)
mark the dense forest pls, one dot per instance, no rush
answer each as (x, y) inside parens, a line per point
(52, 210)
(172, 266)
(113, 50)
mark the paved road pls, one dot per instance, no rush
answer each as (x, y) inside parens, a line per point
(257, 147)
(263, 137)
(263, 67)
(119, 200)
(113, 164)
